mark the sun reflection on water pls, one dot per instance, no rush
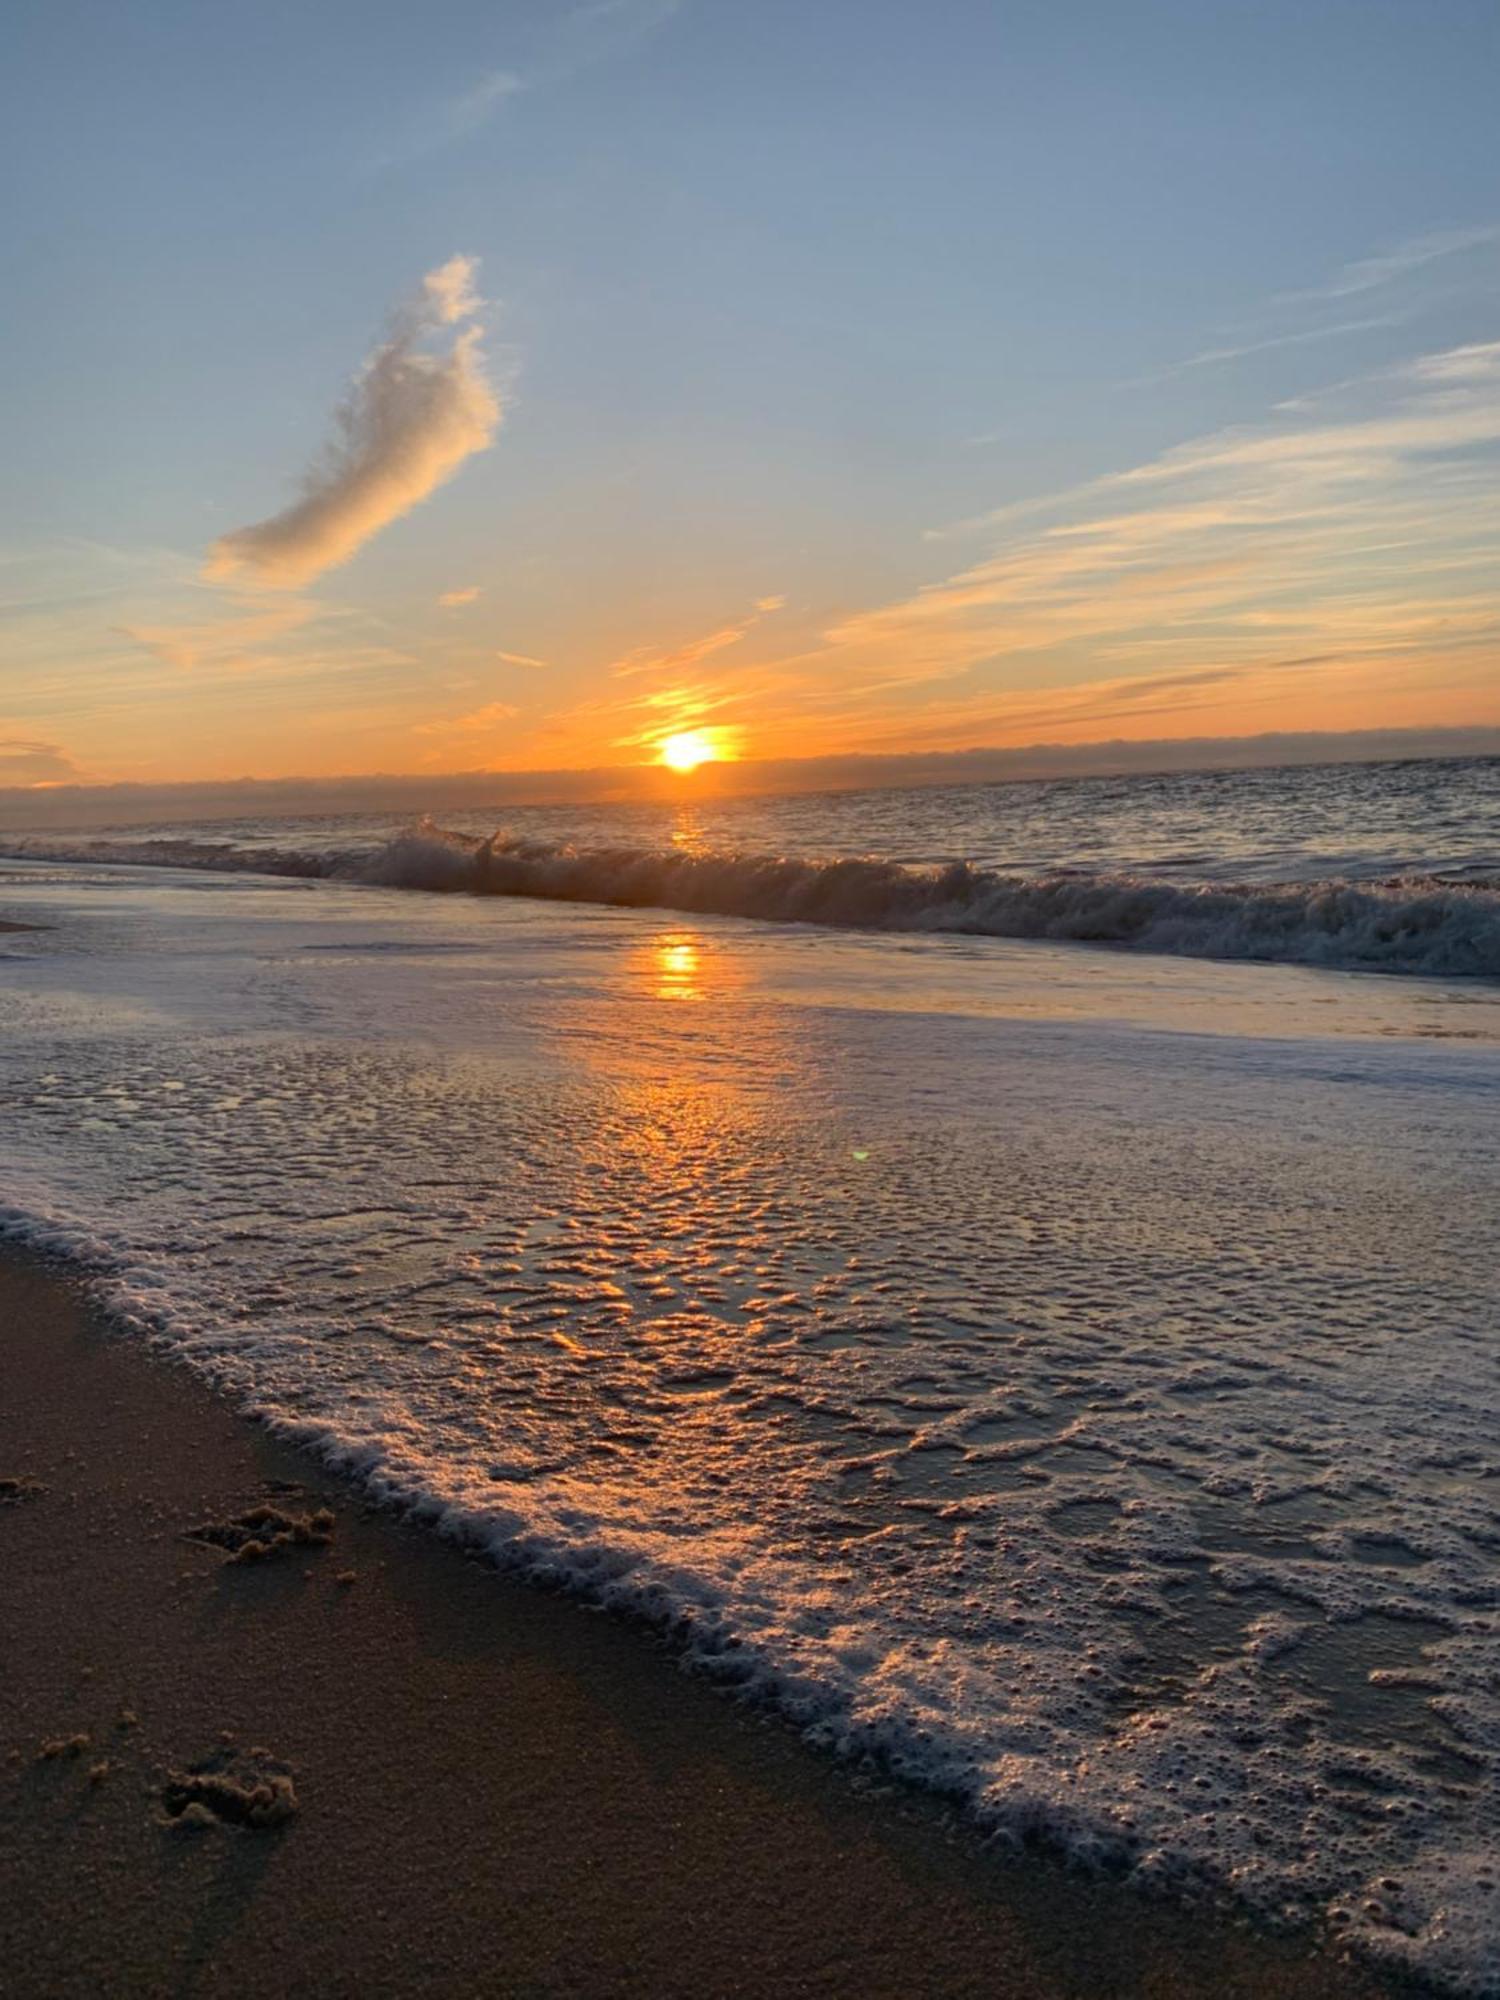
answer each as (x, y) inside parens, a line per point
(690, 833)
(678, 962)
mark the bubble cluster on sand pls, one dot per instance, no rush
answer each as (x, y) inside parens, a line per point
(1103, 1427)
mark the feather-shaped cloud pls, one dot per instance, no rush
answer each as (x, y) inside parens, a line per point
(419, 407)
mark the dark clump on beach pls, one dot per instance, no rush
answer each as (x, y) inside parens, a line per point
(63, 1746)
(16, 1487)
(266, 1531)
(227, 1788)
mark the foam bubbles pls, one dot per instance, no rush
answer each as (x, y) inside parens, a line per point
(1100, 1425)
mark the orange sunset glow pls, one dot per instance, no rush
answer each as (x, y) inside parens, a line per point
(689, 748)
(750, 1000)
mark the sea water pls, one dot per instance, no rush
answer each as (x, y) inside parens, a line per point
(1062, 1373)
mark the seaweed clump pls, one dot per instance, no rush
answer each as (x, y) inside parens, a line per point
(252, 1790)
(16, 1487)
(266, 1531)
(63, 1746)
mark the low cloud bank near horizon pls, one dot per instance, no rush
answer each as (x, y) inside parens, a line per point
(42, 805)
(411, 419)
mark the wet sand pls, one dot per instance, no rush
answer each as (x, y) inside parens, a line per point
(495, 1791)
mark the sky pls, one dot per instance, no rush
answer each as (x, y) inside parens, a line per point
(514, 386)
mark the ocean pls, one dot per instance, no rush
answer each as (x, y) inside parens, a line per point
(1006, 1275)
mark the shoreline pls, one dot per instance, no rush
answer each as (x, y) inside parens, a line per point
(495, 1789)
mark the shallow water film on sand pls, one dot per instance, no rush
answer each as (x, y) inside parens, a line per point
(1070, 1380)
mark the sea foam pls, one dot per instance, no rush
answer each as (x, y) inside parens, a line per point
(1099, 1427)
(1410, 925)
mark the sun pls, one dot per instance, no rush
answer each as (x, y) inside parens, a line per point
(687, 750)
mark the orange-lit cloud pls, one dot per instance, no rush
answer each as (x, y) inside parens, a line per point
(476, 721)
(1328, 568)
(649, 660)
(26, 761)
(237, 639)
(411, 419)
(1331, 567)
(1359, 530)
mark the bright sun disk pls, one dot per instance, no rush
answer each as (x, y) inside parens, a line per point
(687, 750)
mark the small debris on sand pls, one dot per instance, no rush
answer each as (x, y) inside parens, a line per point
(266, 1531)
(227, 1789)
(127, 1719)
(100, 1771)
(63, 1746)
(16, 1487)
(194, 1818)
(346, 1577)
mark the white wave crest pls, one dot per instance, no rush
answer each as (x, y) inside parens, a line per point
(1409, 925)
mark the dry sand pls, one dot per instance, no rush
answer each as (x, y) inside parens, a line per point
(395, 1772)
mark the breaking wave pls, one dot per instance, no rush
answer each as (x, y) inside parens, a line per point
(1411, 925)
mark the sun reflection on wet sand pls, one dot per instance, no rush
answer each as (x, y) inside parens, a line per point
(687, 965)
(677, 961)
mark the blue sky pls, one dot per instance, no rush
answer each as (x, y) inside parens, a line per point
(776, 301)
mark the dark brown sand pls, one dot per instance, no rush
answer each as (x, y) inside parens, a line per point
(397, 1773)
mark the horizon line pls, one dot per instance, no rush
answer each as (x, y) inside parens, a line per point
(478, 787)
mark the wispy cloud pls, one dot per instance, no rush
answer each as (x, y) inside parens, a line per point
(519, 660)
(420, 406)
(575, 38)
(1278, 523)
(135, 664)
(1410, 271)
(173, 645)
(1214, 356)
(1386, 267)
(1328, 567)
(650, 660)
(26, 761)
(602, 28)
(236, 638)
(477, 722)
(471, 108)
(443, 121)
(1362, 529)
(452, 599)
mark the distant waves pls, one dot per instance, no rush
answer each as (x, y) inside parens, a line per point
(1412, 925)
